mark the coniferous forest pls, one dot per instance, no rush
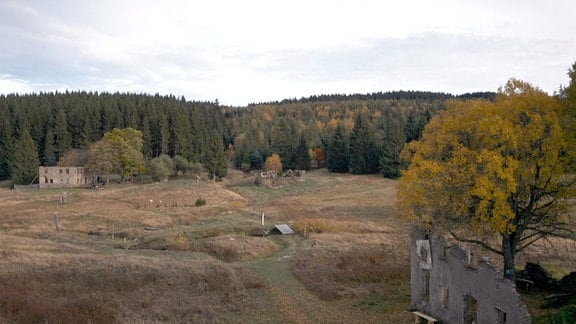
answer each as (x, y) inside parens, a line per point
(362, 134)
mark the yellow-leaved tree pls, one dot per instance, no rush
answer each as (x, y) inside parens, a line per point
(273, 163)
(120, 150)
(492, 173)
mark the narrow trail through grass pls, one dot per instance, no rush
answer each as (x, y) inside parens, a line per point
(288, 297)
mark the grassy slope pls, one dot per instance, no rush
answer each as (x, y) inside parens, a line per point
(145, 253)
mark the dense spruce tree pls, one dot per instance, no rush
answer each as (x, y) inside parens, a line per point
(415, 123)
(256, 159)
(391, 163)
(50, 154)
(284, 139)
(159, 134)
(25, 161)
(364, 152)
(6, 142)
(338, 151)
(62, 137)
(179, 136)
(215, 158)
(301, 155)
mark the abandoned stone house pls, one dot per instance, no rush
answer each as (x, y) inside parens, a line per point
(62, 177)
(447, 287)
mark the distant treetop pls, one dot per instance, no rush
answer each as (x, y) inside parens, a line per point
(390, 95)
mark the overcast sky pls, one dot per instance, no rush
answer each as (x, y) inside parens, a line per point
(249, 51)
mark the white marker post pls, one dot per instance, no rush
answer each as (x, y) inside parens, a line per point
(262, 223)
(262, 220)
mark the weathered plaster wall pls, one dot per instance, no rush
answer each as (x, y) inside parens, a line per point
(453, 285)
(61, 177)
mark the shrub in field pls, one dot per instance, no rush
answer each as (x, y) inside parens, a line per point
(179, 243)
(200, 202)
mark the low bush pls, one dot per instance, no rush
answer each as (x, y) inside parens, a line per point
(200, 202)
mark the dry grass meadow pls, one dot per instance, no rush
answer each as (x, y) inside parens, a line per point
(142, 253)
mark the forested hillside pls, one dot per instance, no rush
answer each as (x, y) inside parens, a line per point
(357, 133)
(59, 122)
(361, 133)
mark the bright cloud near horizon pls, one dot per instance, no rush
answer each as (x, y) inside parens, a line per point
(251, 51)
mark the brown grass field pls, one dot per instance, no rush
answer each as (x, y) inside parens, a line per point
(142, 253)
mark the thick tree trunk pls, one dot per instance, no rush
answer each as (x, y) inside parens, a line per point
(509, 254)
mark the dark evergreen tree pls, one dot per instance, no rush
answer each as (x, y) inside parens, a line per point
(6, 142)
(160, 134)
(302, 156)
(415, 124)
(215, 157)
(50, 155)
(25, 161)
(364, 153)
(284, 139)
(391, 163)
(180, 143)
(62, 137)
(256, 159)
(338, 151)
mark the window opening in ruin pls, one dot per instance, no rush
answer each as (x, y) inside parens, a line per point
(423, 252)
(470, 310)
(444, 298)
(501, 316)
(51, 180)
(45, 179)
(67, 171)
(444, 254)
(60, 171)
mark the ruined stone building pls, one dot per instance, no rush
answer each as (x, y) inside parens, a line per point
(62, 177)
(447, 286)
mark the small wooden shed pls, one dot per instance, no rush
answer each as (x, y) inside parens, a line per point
(282, 229)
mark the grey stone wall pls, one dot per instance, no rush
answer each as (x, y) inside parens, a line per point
(455, 289)
(62, 177)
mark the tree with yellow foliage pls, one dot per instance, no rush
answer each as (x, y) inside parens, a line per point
(120, 150)
(492, 173)
(273, 163)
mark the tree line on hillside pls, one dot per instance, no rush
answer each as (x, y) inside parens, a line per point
(389, 95)
(362, 134)
(39, 129)
(356, 133)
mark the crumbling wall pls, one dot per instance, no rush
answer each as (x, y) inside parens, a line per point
(446, 284)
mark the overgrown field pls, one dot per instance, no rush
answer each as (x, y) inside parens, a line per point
(146, 253)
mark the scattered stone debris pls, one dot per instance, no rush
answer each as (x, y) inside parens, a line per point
(272, 180)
